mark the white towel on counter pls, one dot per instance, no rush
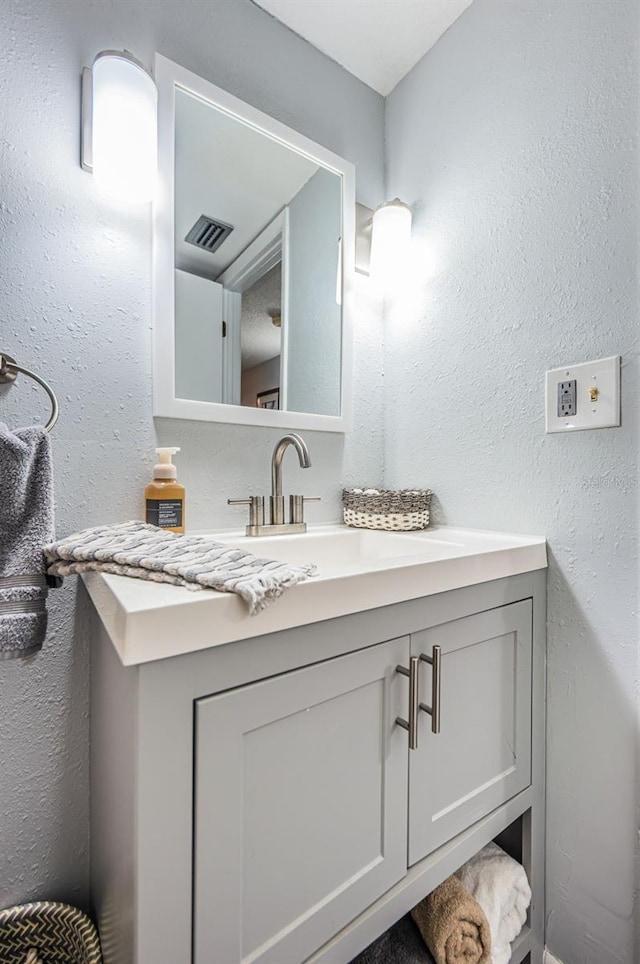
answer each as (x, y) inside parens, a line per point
(499, 884)
(196, 562)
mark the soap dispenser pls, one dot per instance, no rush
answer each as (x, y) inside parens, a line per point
(165, 497)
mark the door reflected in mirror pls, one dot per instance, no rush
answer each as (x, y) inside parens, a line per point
(258, 266)
(260, 341)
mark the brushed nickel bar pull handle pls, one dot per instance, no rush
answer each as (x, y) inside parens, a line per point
(412, 724)
(435, 661)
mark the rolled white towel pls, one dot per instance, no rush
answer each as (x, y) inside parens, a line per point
(32, 958)
(499, 884)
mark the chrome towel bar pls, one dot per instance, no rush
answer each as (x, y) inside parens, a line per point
(8, 373)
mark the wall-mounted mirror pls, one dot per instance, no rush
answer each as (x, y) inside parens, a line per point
(253, 254)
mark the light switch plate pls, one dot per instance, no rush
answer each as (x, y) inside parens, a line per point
(597, 397)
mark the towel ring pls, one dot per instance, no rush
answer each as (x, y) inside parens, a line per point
(8, 373)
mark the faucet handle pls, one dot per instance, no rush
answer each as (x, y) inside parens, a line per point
(296, 507)
(256, 508)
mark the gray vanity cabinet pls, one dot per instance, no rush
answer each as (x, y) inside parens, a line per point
(482, 755)
(300, 806)
(302, 811)
(258, 802)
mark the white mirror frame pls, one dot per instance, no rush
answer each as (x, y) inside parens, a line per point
(168, 76)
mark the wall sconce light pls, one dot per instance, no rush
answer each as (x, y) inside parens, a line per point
(119, 142)
(390, 239)
(382, 242)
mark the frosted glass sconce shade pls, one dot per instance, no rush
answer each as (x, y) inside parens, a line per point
(390, 239)
(120, 126)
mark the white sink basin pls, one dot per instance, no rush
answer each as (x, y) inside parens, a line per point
(357, 570)
(335, 550)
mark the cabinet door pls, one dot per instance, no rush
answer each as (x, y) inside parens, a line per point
(482, 755)
(301, 806)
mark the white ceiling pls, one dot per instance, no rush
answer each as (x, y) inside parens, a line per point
(230, 172)
(377, 40)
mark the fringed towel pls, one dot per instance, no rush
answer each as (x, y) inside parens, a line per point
(453, 925)
(499, 884)
(196, 562)
(26, 526)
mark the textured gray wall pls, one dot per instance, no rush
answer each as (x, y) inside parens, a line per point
(514, 140)
(75, 305)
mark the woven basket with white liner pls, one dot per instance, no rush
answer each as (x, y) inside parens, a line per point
(396, 510)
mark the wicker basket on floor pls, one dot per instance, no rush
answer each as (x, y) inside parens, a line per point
(54, 933)
(397, 510)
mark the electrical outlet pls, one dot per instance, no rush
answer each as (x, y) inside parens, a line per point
(583, 396)
(567, 398)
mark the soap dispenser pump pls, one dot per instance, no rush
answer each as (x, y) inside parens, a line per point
(165, 497)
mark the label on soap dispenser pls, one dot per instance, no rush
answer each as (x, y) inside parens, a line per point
(165, 513)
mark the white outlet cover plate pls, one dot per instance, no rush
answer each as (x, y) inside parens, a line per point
(603, 413)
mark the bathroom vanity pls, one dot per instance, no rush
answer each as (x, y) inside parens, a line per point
(254, 795)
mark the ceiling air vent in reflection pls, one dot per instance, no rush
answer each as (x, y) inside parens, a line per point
(207, 233)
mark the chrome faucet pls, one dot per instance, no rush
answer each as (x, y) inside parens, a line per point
(277, 498)
(277, 525)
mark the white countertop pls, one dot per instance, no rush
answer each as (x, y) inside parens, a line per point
(358, 570)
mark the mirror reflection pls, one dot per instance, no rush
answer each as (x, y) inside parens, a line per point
(258, 276)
